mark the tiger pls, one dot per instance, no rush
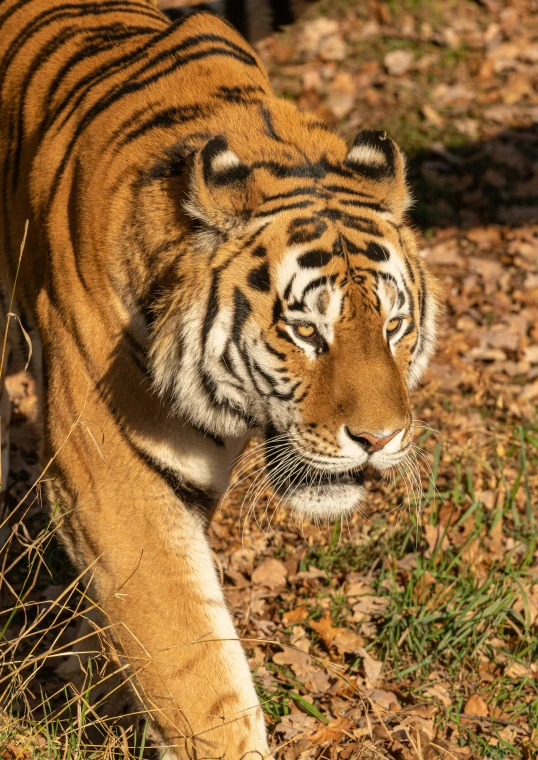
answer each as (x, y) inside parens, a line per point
(202, 261)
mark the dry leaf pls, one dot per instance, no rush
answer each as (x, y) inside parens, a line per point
(270, 573)
(296, 723)
(370, 605)
(476, 706)
(312, 574)
(359, 588)
(438, 693)
(318, 683)
(348, 642)
(385, 699)
(332, 732)
(297, 615)
(398, 62)
(422, 725)
(372, 668)
(342, 95)
(322, 38)
(325, 629)
(299, 639)
(432, 116)
(496, 541)
(435, 538)
(526, 602)
(517, 670)
(446, 253)
(300, 662)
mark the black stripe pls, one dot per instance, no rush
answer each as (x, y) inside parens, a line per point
(305, 230)
(114, 33)
(213, 305)
(182, 488)
(223, 405)
(347, 190)
(131, 86)
(377, 141)
(376, 252)
(166, 119)
(361, 223)
(423, 294)
(365, 204)
(178, 13)
(278, 354)
(349, 246)
(91, 80)
(287, 291)
(292, 194)
(228, 364)
(409, 329)
(277, 311)
(315, 284)
(242, 310)
(409, 268)
(279, 209)
(273, 383)
(69, 11)
(88, 51)
(239, 94)
(284, 335)
(260, 279)
(316, 170)
(270, 130)
(316, 258)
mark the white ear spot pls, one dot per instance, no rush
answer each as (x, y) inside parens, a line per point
(366, 155)
(224, 161)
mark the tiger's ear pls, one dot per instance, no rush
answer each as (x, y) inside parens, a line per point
(220, 193)
(376, 157)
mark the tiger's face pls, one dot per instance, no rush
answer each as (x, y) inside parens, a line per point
(316, 321)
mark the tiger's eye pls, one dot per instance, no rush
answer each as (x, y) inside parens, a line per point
(393, 325)
(305, 331)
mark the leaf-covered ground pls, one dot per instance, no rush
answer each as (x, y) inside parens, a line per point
(409, 631)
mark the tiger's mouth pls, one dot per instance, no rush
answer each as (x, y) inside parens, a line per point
(322, 483)
(341, 478)
(326, 479)
(299, 475)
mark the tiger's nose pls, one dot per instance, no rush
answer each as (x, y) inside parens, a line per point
(369, 442)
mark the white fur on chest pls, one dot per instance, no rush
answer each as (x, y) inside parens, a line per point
(193, 456)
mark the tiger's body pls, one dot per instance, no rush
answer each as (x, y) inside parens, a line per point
(201, 260)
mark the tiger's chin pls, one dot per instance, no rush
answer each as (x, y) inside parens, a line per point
(328, 500)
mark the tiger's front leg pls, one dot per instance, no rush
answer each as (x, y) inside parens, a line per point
(157, 583)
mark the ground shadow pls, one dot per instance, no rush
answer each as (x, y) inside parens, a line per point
(494, 181)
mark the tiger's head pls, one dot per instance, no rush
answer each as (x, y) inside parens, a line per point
(308, 314)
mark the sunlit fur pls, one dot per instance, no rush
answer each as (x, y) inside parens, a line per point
(182, 223)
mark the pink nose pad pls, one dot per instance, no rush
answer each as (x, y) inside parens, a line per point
(369, 442)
